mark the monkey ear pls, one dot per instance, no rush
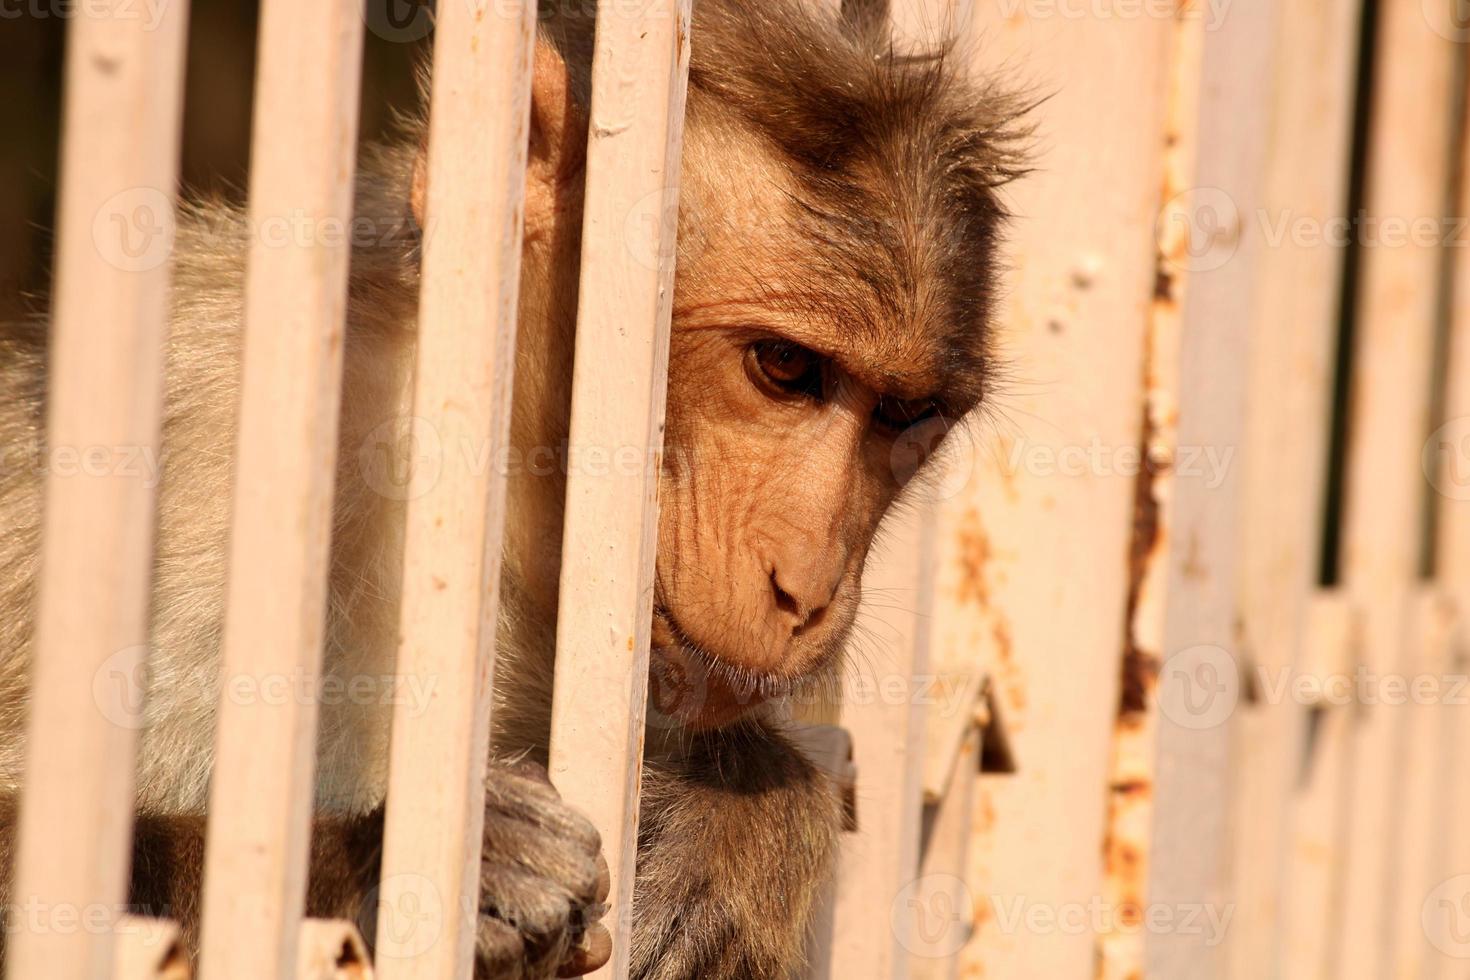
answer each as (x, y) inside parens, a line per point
(558, 139)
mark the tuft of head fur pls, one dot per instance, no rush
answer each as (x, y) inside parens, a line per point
(898, 157)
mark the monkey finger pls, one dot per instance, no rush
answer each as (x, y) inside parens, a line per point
(593, 952)
(499, 949)
(604, 880)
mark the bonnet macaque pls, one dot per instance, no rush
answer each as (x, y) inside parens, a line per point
(839, 217)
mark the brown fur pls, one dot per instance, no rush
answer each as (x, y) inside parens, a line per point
(837, 194)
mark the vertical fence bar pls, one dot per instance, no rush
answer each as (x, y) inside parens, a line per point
(941, 885)
(1075, 316)
(1136, 745)
(1284, 466)
(1447, 453)
(1331, 642)
(1189, 864)
(302, 165)
(639, 76)
(880, 861)
(874, 912)
(466, 349)
(1406, 181)
(1418, 864)
(124, 94)
(149, 949)
(331, 949)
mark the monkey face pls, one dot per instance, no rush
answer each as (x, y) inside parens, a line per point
(837, 224)
(800, 404)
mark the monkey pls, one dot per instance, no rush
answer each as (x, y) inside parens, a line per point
(840, 219)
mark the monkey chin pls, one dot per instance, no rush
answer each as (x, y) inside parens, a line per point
(686, 691)
(692, 689)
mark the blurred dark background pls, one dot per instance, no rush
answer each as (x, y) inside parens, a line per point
(221, 68)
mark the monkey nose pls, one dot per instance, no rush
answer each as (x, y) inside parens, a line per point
(802, 601)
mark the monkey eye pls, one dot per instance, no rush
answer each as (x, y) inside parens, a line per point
(790, 368)
(897, 414)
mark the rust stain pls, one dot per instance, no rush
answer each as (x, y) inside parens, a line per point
(1194, 567)
(1140, 667)
(1134, 788)
(1163, 282)
(974, 555)
(1005, 651)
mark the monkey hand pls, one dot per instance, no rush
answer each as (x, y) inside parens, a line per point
(543, 882)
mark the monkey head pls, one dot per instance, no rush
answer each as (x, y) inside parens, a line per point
(838, 219)
(838, 222)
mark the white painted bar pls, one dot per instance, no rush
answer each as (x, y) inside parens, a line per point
(302, 164)
(1190, 860)
(1034, 563)
(957, 706)
(478, 131)
(149, 949)
(1131, 785)
(940, 895)
(1448, 450)
(1284, 466)
(1407, 179)
(331, 949)
(119, 170)
(1331, 646)
(879, 862)
(639, 75)
(875, 925)
(1427, 763)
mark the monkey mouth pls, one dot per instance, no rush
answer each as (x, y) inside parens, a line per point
(692, 686)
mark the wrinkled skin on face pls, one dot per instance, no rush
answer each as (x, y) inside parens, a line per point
(798, 410)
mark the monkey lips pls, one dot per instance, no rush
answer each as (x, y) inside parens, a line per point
(690, 688)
